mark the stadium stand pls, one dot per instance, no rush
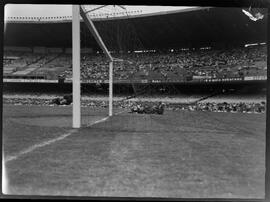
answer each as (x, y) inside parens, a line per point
(242, 107)
(164, 66)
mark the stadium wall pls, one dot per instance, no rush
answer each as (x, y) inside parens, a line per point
(127, 88)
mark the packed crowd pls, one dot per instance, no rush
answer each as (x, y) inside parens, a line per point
(242, 107)
(95, 67)
(165, 66)
(237, 62)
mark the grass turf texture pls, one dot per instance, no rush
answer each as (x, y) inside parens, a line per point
(179, 154)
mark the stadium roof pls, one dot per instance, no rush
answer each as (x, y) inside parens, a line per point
(192, 27)
(48, 13)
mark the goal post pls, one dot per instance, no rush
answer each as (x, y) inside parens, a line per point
(110, 88)
(76, 69)
(77, 11)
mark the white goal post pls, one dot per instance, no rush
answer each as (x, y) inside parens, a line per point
(76, 71)
(77, 11)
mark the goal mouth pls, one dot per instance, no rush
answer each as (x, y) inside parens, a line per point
(110, 56)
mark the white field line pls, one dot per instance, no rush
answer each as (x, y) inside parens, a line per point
(48, 142)
(36, 146)
(98, 121)
(104, 119)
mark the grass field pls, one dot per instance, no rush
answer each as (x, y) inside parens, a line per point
(179, 154)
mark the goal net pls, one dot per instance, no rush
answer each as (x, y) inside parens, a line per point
(104, 49)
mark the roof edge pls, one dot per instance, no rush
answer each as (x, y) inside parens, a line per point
(65, 19)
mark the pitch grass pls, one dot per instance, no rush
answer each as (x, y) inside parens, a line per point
(179, 154)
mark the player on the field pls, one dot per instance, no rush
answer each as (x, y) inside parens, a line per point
(66, 100)
(146, 109)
